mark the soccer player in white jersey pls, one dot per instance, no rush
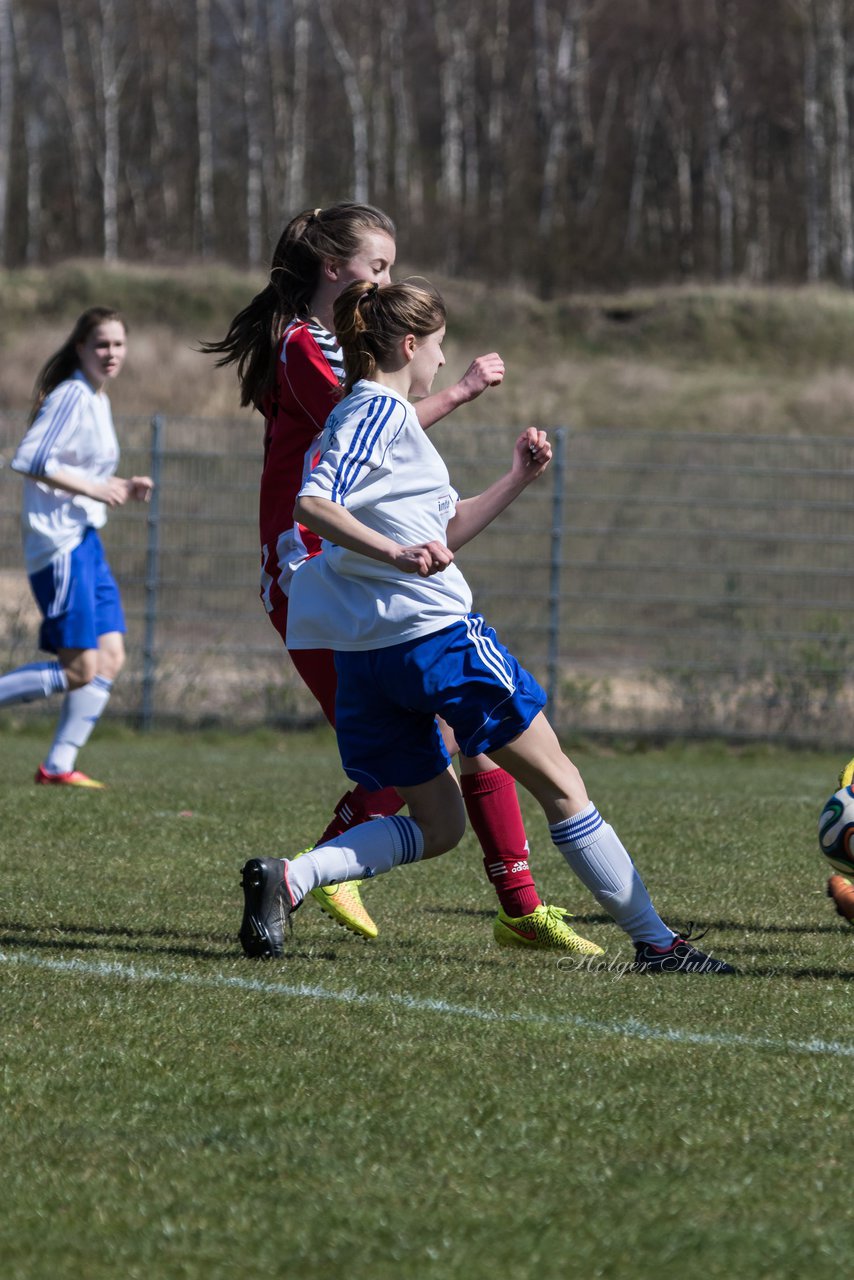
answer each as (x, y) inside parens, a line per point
(387, 596)
(68, 459)
(290, 367)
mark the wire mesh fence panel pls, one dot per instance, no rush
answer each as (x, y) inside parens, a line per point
(667, 584)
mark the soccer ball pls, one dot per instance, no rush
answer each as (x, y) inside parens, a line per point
(836, 831)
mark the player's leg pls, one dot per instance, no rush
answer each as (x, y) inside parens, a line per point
(273, 888)
(383, 741)
(492, 805)
(94, 608)
(593, 850)
(316, 668)
(90, 673)
(38, 680)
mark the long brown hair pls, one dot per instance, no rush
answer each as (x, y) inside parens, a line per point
(371, 319)
(64, 363)
(311, 238)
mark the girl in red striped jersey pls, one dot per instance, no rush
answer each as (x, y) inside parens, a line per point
(289, 365)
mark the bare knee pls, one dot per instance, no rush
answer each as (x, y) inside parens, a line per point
(444, 830)
(437, 808)
(80, 666)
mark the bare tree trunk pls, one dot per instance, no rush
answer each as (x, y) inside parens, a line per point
(679, 130)
(720, 146)
(254, 150)
(464, 45)
(842, 205)
(79, 126)
(558, 124)
(33, 131)
(450, 90)
(204, 127)
(295, 172)
(380, 113)
(109, 88)
(758, 261)
(408, 182)
(600, 147)
(581, 80)
(163, 141)
(814, 139)
(543, 111)
(355, 100)
(498, 40)
(275, 45)
(647, 105)
(7, 106)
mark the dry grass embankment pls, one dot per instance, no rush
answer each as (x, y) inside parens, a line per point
(694, 357)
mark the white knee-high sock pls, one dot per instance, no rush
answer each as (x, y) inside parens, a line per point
(365, 851)
(31, 683)
(595, 853)
(81, 711)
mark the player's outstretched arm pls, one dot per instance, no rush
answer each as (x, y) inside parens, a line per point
(485, 371)
(531, 455)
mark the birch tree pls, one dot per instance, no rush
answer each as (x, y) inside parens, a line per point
(80, 118)
(355, 100)
(7, 106)
(34, 130)
(841, 181)
(204, 129)
(111, 71)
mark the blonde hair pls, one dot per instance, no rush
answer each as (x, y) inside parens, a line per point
(370, 321)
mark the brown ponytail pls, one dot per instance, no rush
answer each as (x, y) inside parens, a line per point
(371, 320)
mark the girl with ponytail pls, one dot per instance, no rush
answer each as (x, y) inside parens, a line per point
(68, 459)
(389, 599)
(289, 365)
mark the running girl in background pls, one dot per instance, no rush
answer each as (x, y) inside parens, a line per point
(388, 598)
(290, 367)
(69, 458)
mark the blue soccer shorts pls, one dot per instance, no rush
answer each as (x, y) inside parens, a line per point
(388, 700)
(78, 597)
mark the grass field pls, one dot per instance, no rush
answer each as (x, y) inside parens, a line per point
(426, 1105)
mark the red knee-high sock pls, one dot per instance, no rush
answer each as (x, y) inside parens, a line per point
(493, 809)
(358, 806)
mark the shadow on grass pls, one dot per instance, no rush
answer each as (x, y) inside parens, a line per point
(15, 933)
(826, 975)
(726, 926)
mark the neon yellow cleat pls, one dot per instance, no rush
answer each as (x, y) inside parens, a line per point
(846, 777)
(74, 778)
(343, 903)
(543, 930)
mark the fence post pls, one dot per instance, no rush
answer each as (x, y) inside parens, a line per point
(555, 566)
(152, 578)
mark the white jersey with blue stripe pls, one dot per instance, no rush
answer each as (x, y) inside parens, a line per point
(378, 463)
(73, 431)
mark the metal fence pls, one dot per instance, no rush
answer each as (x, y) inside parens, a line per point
(657, 584)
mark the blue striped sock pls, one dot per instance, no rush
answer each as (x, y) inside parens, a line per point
(595, 853)
(365, 851)
(31, 683)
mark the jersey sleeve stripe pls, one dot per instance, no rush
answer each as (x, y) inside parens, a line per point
(365, 437)
(61, 416)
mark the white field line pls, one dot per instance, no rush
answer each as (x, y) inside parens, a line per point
(630, 1029)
